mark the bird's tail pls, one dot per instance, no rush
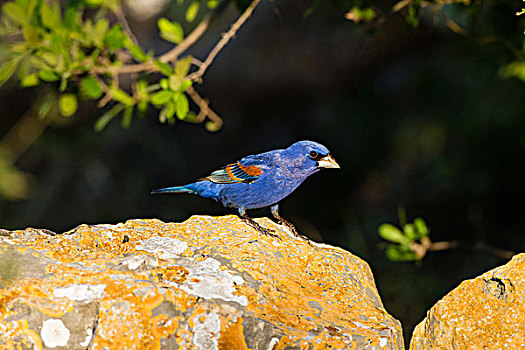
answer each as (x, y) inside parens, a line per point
(176, 189)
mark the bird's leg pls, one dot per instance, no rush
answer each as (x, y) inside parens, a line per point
(283, 221)
(255, 225)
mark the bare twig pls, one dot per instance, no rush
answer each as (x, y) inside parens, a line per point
(420, 249)
(456, 28)
(167, 57)
(226, 37)
(107, 98)
(196, 62)
(121, 17)
(174, 53)
(188, 41)
(205, 110)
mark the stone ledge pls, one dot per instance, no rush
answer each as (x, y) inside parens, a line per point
(486, 312)
(206, 283)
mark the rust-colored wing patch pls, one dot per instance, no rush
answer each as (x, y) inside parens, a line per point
(234, 173)
(243, 173)
(250, 170)
(229, 171)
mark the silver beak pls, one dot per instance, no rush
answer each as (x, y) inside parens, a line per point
(328, 162)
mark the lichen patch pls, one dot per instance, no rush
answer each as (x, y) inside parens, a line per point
(203, 283)
(54, 333)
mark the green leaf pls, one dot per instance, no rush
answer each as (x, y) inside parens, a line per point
(67, 104)
(48, 75)
(192, 11)
(31, 5)
(185, 85)
(421, 227)
(192, 118)
(142, 85)
(515, 69)
(179, 85)
(162, 115)
(8, 69)
(46, 104)
(392, 234)
(167, 113)
(142, 106)
(357, 14)
(31, 35)
(50, 16)
(170, 31)
(161, 97)
(137, 52)
(400, 253)
(30, 80)
(183, 67)
(99, 30)
(63, 83)
(49, 58)
(72, 17)
(212, 4)
(91, 88)
(127, 116)
(410, 231)
(15, 12)
(115, 39)
(58, 45)
(177, 82)
(164, 84)
(170, 111)
(182, 106)
(25, 67)
(212, 126)
(120, 96)
(104, 120)
(93, 3)
(164, 68)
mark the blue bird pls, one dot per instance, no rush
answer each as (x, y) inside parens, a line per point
(261, 180)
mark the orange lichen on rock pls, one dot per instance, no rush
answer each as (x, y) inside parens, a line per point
(206, 283)
(232, 336)
(486, 312)
(17, 335)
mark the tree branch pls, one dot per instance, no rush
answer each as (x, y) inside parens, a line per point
(420, 249)
(121, 17)
(167, 57)
(183, 46)
(204, 108)
(226, 37)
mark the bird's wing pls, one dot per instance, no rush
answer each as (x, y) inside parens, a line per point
(247, 170)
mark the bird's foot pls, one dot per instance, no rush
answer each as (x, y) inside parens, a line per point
(292, 229)
(259, 228)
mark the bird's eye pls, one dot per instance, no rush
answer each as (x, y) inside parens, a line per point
(313, 154)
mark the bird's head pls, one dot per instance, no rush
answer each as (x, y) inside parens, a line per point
(311, 156)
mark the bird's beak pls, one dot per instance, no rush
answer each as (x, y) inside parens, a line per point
(327, 162)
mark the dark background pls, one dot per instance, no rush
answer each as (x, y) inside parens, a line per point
(418, 118)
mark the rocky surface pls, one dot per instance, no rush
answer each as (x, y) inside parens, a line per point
(487, 312)
(206, 283)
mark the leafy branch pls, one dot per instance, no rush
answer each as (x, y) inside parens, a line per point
(84, 55)
(412, 242)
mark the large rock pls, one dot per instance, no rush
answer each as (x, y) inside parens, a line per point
(206, 283)
(487, 312)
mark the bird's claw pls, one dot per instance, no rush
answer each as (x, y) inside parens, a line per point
(268, 232)
(292, 229)
(259, 228)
